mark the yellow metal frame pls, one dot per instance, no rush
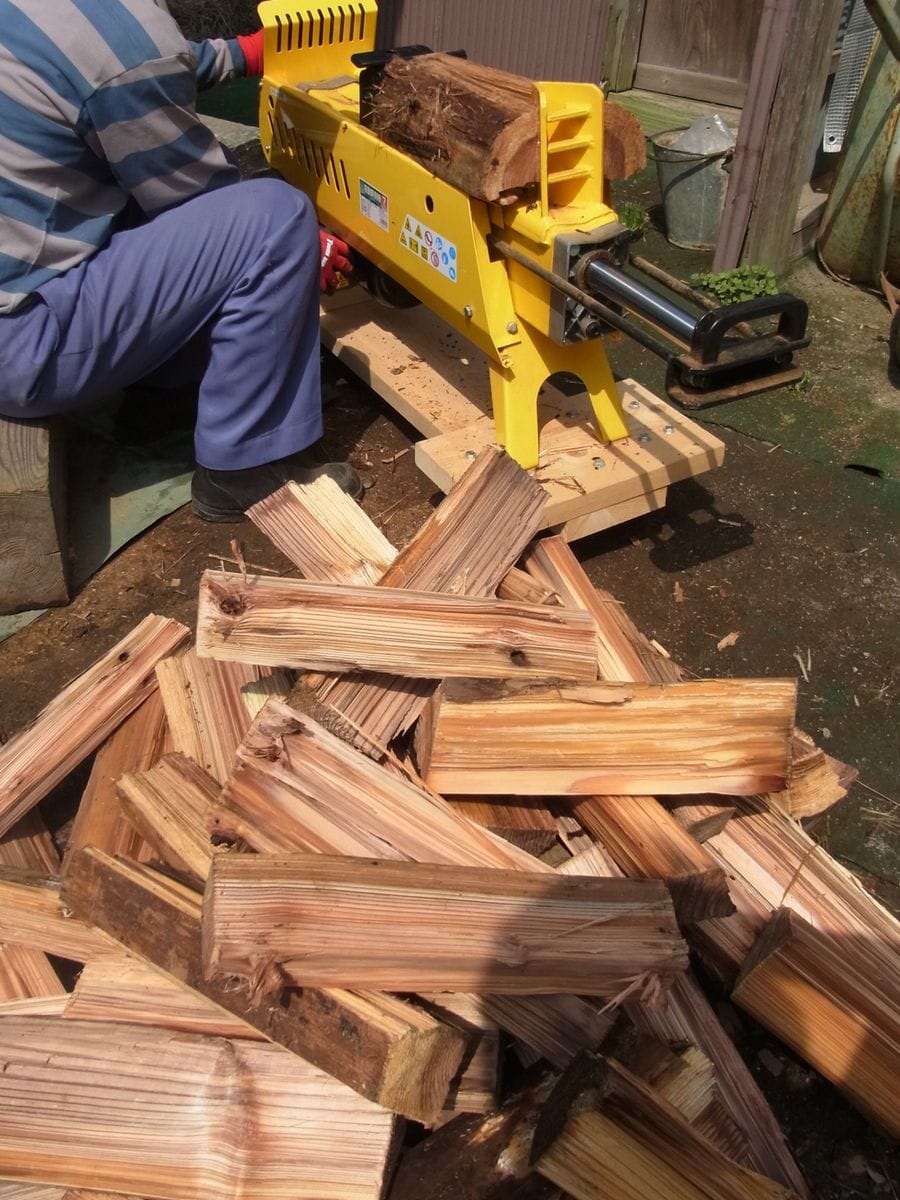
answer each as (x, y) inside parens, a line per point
(425, 233)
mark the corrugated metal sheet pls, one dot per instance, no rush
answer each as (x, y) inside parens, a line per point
(536, 38)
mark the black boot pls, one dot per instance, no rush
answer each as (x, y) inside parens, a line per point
(226, 495)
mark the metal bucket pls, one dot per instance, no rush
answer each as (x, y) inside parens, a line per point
(693, 190)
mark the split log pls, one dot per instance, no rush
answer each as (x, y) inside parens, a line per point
(171, 805)
(181, 1117)
(479, 1158)
(210, 705)
(552, 1027)
(28, 845)
(298, 787)
(624, 144)
(359, 806)
(702, 817)
(32, 914)
(26, 973)
(387, 1051)
(99, 821)
(522, 820)
(419, 635)
(124, 990)
(476, 1088)
(82, 716)
(471, 125)
(814, 993)
(816, 784)
(689, 1017)
(466, 547)
(338, 922)
(778, 865)
(648, 843)
(747, 1129)
(729, 736)
(633, 1145)
(324, 533)
(25, 970)
(624, 652)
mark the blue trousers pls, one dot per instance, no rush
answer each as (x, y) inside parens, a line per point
(223, 289)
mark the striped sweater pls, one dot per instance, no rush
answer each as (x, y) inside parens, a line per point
(96, 109)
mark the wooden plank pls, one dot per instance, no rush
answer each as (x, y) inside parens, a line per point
(331, 921)
(171, 805)
(580, 473)
(181, 1117)
(815, 993)
(415, 634)
(33, 554)
(209, 705)
(728, 736)
(81, 716)
(699, 48)
(648, 843)
(99, 820)
(324, 532)
(439, 383)
(394, 1055)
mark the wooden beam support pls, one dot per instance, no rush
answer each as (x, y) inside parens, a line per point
(730, 736)
(330, 921)
(82, 716)
(418, 635)
(378, 1051)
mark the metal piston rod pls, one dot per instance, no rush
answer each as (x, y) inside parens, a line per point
(716, 366)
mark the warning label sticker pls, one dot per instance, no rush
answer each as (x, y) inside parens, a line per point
(373, 204)
(433, 249)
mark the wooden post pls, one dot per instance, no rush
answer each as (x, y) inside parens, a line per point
(32, 516)
(624, 21)
(787, 80)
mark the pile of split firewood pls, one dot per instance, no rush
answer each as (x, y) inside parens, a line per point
(386, 824)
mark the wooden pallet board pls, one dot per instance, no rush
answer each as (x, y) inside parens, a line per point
(438, 381)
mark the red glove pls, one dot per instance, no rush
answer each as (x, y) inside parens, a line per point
(335, 258)
(251, 45)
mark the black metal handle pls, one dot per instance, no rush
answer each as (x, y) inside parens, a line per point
(711, 328)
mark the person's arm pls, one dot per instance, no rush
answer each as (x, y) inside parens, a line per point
(144, 125)
(220, 60)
